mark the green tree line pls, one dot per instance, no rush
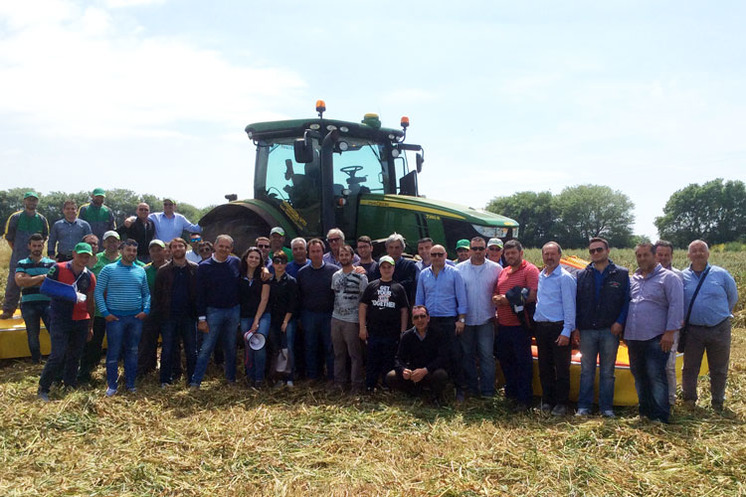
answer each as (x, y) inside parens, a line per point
(714, 211)
(122, 202)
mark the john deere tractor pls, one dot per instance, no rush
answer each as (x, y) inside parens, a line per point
(314, 174)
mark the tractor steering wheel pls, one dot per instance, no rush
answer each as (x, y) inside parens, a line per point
(351, 170)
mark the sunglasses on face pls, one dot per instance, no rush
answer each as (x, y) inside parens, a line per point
(333, 240)
(596, 250)
(278, 261)
(263, 246)
(437, 254)
(477, 249)
(495, 248)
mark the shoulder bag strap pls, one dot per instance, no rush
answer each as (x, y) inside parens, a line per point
(696, 291)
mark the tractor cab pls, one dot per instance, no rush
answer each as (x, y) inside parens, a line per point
(315, 174)
(316, 170)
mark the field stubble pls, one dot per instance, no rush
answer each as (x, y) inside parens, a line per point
(224, 440)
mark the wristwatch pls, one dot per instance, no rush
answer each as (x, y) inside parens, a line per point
(462, 320)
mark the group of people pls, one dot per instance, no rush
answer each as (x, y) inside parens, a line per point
(325, 311)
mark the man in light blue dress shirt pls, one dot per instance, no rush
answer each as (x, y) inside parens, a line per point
(656, 312)
(555, 320)
(709, 324)
(477, 340)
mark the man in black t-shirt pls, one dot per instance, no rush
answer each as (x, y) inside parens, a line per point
(384, 313)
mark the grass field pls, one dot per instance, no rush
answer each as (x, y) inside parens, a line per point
(227, 440)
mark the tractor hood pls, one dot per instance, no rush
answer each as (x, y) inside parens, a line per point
(438, 208)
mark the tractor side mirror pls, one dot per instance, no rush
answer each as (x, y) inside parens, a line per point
(420, 159)
(303, 151)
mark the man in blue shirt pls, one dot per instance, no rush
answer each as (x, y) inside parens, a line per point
(709, 326)
(441, 289)
(67, 232)
(656, 311)
(555, 320)
(477, 340)
(169, 224)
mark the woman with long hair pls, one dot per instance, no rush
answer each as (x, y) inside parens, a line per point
(255, 316)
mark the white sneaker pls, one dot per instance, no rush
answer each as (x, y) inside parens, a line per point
(290, 383)
(583, 411)
(111, 392)
(608, 414)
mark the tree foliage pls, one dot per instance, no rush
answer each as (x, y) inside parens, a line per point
(122, 202)
(714, 211)
(571, 217)
(533, 211)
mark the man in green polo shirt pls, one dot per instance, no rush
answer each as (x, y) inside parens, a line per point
(18, 230)
(99, 216)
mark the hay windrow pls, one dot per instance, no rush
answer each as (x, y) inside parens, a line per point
(310, 441)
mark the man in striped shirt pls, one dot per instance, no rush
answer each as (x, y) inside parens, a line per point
(123, 298)
(30, 274)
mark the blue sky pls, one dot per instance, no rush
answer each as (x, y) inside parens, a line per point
(153, 95)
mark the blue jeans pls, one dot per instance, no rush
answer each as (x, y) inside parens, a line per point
(317, 326)
(223, 324)
(122, 334)
(32, 312)
(513, 344)
(648, 365)
(604, 345)
(478, 342)
(172, 330)
(68, 338)
(255, 361)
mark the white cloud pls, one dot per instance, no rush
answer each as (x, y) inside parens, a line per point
(76, 73)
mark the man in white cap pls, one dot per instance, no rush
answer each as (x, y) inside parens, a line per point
(277, 242)
(495, 251)
(18, 230)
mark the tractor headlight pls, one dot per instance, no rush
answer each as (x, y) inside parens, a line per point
(491, 231)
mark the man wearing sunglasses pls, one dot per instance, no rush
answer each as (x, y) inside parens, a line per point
(336, 239)
(601, 311)
(194, 242)
(421, 359)
(477, 340)
(141, 229)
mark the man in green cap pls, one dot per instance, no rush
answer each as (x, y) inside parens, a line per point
(462, 250)
(99, 216)
(71, 321)
(18, 230)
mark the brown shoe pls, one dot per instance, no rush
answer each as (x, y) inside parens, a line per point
(6, 315)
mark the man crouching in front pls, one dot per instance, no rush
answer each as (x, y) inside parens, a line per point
(421, 359)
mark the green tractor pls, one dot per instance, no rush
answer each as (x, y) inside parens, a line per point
(315, 174)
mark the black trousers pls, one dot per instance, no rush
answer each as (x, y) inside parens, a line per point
(554, 363)
(436, 382)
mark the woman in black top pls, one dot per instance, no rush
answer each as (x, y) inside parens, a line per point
(255, 316)
(283, 306)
